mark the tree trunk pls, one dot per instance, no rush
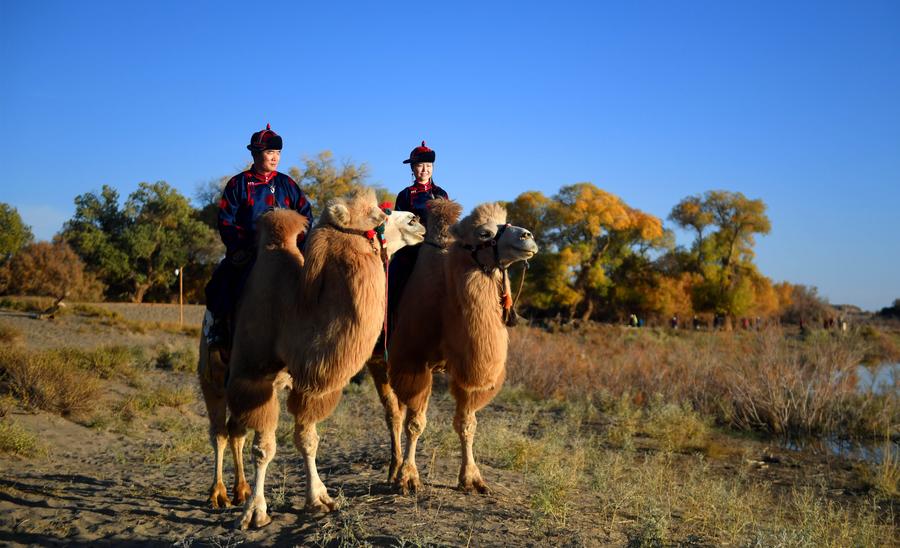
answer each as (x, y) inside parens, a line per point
(139, 291)
(588, 310)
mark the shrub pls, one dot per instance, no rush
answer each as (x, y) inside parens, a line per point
(178, 359)
(51, 269)
(106, 362)
(18, 441)
(9, 335)
(45, 381)
(764, 381)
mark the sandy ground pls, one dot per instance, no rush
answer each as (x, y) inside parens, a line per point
(123, 483)
(103, 486)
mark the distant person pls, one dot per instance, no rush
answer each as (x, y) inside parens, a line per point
(674, 322)
(632, 320)
(696, 322)
(245, 198)
(413, 199)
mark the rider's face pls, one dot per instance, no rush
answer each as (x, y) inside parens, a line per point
(267, 161)
(422, 171)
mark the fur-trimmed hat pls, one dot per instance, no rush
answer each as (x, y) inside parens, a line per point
(420, 154)
(265, 139)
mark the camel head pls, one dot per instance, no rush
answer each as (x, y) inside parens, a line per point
(401, 229)
(357, 211)
(493, 242)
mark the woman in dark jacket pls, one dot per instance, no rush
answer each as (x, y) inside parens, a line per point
(414, 199)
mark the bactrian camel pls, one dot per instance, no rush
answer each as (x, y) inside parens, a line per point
(298, 315)
(451, 314)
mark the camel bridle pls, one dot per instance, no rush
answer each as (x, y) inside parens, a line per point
(509, 315)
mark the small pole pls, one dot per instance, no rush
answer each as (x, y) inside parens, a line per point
(181, 296)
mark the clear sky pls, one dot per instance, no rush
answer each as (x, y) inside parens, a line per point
(796, 103)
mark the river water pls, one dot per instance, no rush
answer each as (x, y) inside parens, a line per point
(881, 379)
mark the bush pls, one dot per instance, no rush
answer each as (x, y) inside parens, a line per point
(178, 359)
(107, 362)
(763, 381)
(18, 441)
(9, 335)
(44, 380)
(51, 269)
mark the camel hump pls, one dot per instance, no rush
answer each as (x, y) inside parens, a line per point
(280, 228)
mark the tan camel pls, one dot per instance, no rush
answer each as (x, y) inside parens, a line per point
(465, 284)
(279, 251)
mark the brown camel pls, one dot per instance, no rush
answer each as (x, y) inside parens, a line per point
(304, 295)
(461, 277)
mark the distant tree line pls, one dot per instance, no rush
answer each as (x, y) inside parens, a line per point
(605, 260)
(601, 259)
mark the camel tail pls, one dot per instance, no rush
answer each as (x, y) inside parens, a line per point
(281, 228)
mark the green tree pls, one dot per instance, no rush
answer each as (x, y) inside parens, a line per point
(725, 224)
(14, 233)
(322, 179)
(136, 248)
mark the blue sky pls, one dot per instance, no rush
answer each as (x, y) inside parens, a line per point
(796, 103)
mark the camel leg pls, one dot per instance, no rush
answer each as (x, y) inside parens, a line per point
(218, 496)
(308, 409)
(307, 440)
(263, 418)
(394, 412)
(255, 510)
(212, 384)
(416, 420)
(241, 487)
(464, 422)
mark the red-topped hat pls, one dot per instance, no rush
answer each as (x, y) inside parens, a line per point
(420, 154)
(265, 139)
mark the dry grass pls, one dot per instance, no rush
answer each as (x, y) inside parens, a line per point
(750, 381)
(184, 438)
(42, 380)
(27, 304)
(660, 498)
(16, 440)
(9, 335)
(884, 476)
(107, 362)
(182, 358)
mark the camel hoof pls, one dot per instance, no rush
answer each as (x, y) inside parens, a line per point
(321, 505)
(241, 492)
(256, 518)
(219, 497)
(474, 486)
(254, 515)
(408, 480)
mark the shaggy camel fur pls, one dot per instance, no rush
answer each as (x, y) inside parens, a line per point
(468, 336)
(282, 260)
(427, 276)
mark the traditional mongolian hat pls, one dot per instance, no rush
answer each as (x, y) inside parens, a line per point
(420, 155)
(265, 140)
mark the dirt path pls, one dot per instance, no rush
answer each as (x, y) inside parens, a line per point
(99, 490)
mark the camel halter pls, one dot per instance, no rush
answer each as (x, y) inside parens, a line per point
(509, 315)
